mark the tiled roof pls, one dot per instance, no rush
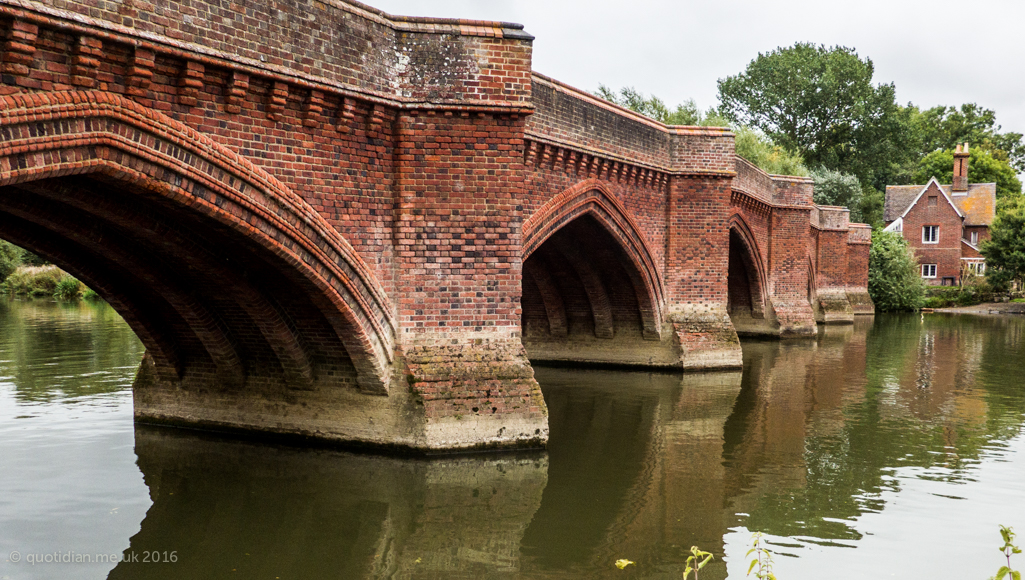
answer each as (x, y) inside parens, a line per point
(979, 205)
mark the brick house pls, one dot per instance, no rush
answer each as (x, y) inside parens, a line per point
(944, 224)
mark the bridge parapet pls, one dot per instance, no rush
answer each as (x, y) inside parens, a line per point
(831, 217)
(792, 190)
(566, 116)
(335, 45)
(752, 181)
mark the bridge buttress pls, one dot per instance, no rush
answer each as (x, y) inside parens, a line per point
(859, 241)
(832, 225)
(697, 261)
(788, 260)
(457, 276)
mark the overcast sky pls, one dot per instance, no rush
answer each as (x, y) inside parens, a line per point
(936, 52)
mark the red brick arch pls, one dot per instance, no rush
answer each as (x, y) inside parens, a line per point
(592, 197)
(755, 264)
(47, 137)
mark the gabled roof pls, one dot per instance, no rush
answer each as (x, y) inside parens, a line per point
(978, 206)
(921, 191)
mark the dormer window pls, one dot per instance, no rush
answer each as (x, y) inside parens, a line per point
(930, 234)
(975, 238)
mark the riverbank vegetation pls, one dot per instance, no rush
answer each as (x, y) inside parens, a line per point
(893, 278)
(25, 274)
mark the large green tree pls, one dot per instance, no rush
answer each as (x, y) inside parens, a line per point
(821, 102)
(983, 167)
(1005, 250)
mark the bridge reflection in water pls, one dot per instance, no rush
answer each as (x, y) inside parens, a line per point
(640, 465)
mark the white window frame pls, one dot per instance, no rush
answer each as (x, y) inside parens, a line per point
(927, 267)
(975, 238)
(925, 239)
(976, 266)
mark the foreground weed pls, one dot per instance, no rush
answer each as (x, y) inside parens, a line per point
(696, 561)
(762, 558)
(1008, 549)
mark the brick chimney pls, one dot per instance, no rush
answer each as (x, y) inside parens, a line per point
(961, 169)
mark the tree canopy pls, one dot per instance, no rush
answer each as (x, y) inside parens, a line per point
(820, 102)
(946, 127)
(836, 188)
(1005, 250)
(983, 167)
(766, 155)
(686, 113)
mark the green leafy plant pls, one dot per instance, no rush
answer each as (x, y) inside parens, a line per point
(894, 280)
(34, 280)
(10, 258)
(696, 561)
(68, 288)
(762, 559)
(1008, 549)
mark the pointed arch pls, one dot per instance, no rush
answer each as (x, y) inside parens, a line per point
(593, 197)
(47, 137)
(753, 263)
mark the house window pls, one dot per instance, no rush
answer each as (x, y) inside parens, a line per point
(975, 238)
(928, 270)
(932, 201)
(930, 234)
(977, 267)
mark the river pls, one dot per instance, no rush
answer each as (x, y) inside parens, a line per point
(892, 448)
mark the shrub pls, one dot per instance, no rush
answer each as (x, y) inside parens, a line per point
(893, 280)
(68, 288)
(836, 188)
(35, 280)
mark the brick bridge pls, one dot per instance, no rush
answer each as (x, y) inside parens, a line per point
(325, 221)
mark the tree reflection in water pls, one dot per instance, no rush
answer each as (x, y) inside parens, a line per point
(813, 438)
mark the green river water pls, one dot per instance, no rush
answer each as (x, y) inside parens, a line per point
(892, 448)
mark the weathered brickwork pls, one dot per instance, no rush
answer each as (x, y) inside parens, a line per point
(324, 221)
